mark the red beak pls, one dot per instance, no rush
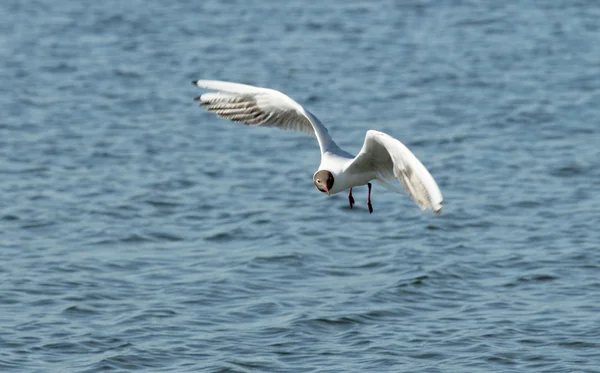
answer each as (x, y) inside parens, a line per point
(327, 191)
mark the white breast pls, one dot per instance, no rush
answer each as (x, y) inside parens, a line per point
(337, 165)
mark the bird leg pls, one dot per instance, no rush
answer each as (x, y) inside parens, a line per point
(350, 198)
(369, 200)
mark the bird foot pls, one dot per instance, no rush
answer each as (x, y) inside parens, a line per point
(369, 199)
(350, 198)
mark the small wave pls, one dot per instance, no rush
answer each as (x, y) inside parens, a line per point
(136, 238)
(79, 311)
(223, 236)
(295, 259)
(166, 237)
(532, 279)
(568, 171)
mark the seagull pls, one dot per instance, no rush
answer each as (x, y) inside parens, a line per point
(382, 158)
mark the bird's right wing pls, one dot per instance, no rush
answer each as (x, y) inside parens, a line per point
(393, 162)
(261, 107)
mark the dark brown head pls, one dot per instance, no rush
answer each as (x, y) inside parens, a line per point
(323, 180)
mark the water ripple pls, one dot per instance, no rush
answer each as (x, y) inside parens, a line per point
(131, 241)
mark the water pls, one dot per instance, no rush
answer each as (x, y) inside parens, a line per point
(131, 242)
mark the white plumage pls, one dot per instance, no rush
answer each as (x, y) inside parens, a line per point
(382, 157)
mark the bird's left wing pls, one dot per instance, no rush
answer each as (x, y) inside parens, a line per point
(264, 107)
(394, 162)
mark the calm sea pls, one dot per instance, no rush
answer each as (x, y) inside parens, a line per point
(139, 233)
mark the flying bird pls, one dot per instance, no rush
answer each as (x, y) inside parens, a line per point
(382, 157)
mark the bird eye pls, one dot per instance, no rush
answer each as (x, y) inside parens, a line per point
(318, 181)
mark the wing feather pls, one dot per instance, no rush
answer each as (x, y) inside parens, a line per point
(394, 162)
(262, 107)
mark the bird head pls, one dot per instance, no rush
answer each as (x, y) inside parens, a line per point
(323, 180)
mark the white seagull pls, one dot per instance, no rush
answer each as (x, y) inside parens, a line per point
(382, 157)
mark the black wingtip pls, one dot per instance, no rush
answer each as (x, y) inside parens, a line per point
(194, 82)
(197, 98)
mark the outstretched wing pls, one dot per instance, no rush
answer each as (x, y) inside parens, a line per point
(394, 162)
(261, 107)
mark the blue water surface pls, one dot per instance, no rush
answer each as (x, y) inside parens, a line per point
(139, 233)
